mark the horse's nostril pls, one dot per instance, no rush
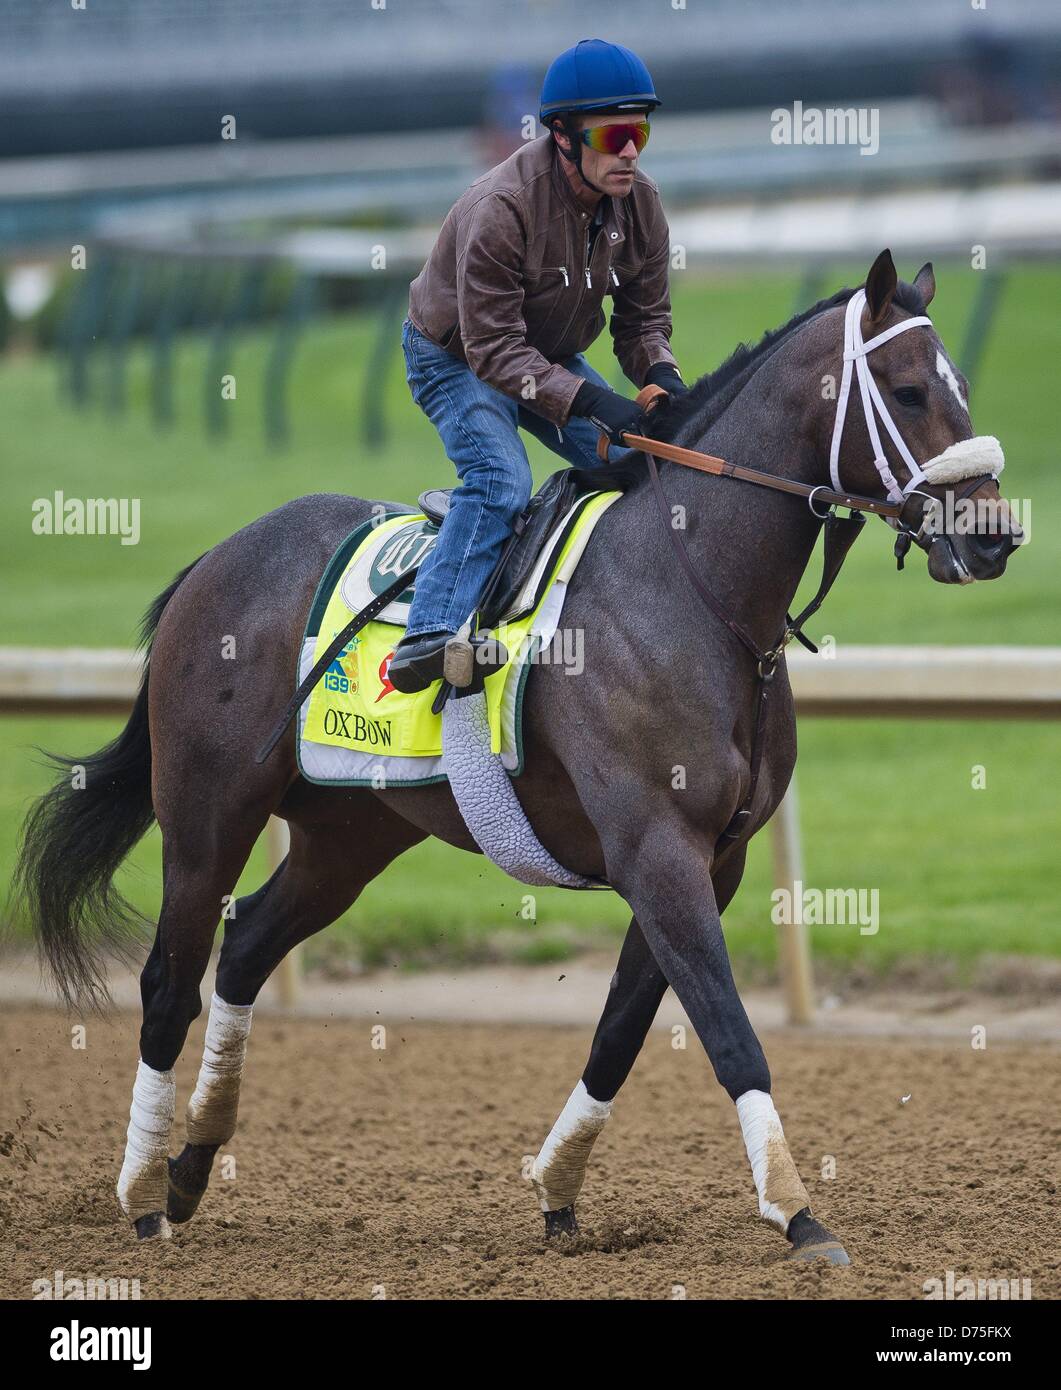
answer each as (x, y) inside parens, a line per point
(992, 545)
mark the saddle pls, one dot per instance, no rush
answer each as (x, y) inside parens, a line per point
(536, 526)
(540, 531)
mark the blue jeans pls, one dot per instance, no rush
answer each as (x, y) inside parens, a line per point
(480, 433)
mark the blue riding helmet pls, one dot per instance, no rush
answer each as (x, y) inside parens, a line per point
(596, 76)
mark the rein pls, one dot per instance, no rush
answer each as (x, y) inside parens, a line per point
(707, 463)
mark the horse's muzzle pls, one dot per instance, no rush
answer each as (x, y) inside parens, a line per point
(959, 559)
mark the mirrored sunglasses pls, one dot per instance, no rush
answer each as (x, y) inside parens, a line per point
(613, 139)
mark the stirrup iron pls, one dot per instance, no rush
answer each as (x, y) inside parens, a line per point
(459, 665)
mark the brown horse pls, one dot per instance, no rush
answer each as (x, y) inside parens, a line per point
(603, 749)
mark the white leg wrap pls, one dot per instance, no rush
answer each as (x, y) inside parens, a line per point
(560, 1168)
(143, 1183)
(212, 1109)
(781, 1192)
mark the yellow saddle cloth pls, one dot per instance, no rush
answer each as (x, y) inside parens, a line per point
(356, 729)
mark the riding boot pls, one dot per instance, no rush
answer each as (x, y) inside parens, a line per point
(418, 661)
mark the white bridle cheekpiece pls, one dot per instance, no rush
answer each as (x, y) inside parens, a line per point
(969, 458)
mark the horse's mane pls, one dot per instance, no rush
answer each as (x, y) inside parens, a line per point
(713, 392)
(709, 395)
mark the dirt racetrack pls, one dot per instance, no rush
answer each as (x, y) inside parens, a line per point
(359, 1168)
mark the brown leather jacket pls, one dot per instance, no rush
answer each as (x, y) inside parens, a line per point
(507, 287)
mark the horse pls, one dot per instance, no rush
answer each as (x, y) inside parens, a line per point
(665, 687)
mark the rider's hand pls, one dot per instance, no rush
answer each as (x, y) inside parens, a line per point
(665, 375)
(609, 411)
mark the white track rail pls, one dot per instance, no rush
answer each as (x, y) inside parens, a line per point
(857, 682)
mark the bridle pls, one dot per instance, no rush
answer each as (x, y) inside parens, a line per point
(979, 459)
(856, 351)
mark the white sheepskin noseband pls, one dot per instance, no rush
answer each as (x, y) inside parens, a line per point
(969, 458)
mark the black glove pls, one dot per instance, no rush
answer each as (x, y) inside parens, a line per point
(666, 375)
(609, 411)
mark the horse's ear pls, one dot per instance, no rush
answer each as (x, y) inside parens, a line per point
(925, 283)
(880, 286)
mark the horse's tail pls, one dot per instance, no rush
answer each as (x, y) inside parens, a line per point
(75, 837)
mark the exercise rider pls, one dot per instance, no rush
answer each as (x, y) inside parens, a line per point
(507, 303)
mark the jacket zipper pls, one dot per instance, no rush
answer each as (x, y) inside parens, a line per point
(578, 303)
(567, 282)
(589, 285)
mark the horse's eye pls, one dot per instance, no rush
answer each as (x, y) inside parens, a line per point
(909, 395)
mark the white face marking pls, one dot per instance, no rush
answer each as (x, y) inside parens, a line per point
(946, 371)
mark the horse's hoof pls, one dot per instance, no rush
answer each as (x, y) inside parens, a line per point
(831, 1250)
(811, 1241)
(154, 1226)
(188, 1177)
(181, 1206)
(560, 1223)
